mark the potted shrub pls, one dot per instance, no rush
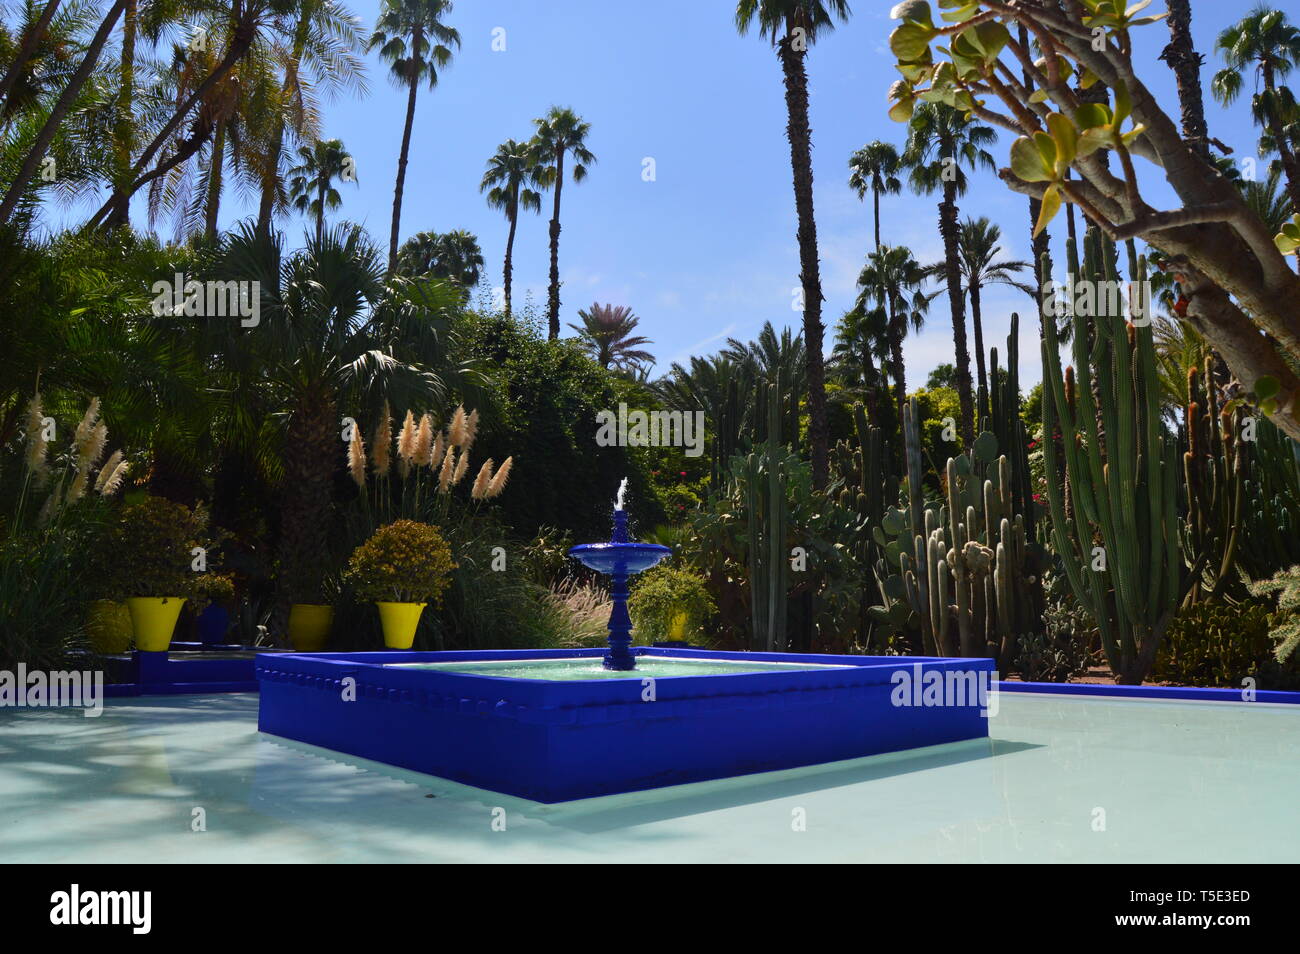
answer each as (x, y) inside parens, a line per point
(214, 594)
(669, 603)
(402, 568)
(149, 549)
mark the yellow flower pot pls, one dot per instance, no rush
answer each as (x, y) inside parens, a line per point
(399, 621)
(153, 620)
(108, 624)
(677, 627)
(309, 626)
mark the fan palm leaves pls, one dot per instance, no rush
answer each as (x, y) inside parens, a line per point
(607, 334)
(448, 256)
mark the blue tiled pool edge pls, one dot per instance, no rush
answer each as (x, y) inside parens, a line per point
(554, 741)
(1166, 693)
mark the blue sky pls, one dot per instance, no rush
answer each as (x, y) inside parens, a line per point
(707, 250)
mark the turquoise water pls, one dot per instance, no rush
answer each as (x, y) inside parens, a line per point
(1174, 782)
(647, 667)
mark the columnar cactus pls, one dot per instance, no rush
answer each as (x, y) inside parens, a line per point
(1119, 544)
(762, 478)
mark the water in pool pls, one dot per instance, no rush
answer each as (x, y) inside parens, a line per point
(589, 667)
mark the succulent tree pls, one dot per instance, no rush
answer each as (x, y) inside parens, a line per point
(1234, 277)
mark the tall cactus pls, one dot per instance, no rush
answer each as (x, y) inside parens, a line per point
(1214, 467)
(861, 474)
(1119, 542)
(762, 477)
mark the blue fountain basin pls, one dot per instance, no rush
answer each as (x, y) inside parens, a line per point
(559, 739)
(610, 558)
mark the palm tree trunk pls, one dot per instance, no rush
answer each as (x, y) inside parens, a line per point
(800, 136)
(896, 359)
(875, 197)
(214, 181)
(1183, 59)
(1041, 242)
(266, 205)
(43, 139)
(310, 456)
(982, 396)
(124, 123)
(29, 44)
(948, 228)
(320, 209)
(241, 39)
(508, 269)
(553, 286)
(401, 174)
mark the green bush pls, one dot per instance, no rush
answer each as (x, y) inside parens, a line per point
(147, 552)
(1218, 645)
(662, 594)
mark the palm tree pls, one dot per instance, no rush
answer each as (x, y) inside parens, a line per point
(941, 144)
(413, 40)
(791, 26)
(560, 133)
(979, 249)
(510, 174)
(895, 279)
(606, 334)
(320, 52)
(311, 188)
(448, 256)
(334, 335)
(861, 344)
(875, 168)
(1266, 41)
(1267, 200)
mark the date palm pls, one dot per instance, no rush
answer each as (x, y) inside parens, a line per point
(606, 333)
(413, 39)
(861, 352)
(560, 133)
(511, 174)
(941, 145)
(791, 26)
(311, 181)
(874, 168)
(893, 277)
(1269, 46)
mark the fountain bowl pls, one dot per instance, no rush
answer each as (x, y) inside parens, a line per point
(612, 558)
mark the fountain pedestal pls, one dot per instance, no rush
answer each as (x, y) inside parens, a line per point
(619, 559)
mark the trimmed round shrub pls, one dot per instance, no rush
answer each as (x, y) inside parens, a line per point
(665, 592)
(403, 562)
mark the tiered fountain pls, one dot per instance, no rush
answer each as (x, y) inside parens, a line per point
(620, 560)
